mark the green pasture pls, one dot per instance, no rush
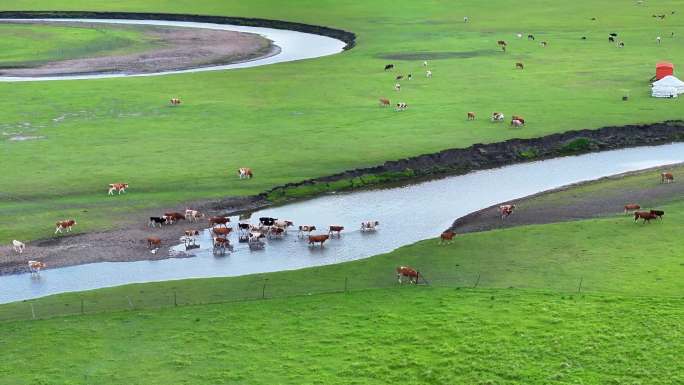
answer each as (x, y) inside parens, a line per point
(298, 120)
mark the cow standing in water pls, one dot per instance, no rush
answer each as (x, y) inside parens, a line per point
(35, 267)
(335, 229)
(369, 225)
(305, 229)
(313, 239)
(405, 271)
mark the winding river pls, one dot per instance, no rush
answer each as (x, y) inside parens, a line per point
(406, 214)
(293, 46)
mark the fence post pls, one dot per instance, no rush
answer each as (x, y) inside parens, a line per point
(345, 284)
(579, 288)
(82, 306)
(130, 304)
(33, 312)
(478, 280)
(175, 299)
(263, 290)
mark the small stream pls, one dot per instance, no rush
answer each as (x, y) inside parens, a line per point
(406, 215)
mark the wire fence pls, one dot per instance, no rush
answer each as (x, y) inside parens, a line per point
(239, 289)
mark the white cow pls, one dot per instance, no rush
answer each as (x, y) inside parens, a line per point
(369, 225)
(192, 215)
(428, 74)
(35, 266)
(18, 246)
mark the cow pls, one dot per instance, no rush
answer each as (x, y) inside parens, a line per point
(519, 65)
(172, 217)
(613, 34)
(544, 44)
(658, 39)
(64, 225)
(153, 243)
(470, 116)
(530, 37)
(221, 230)
(245, 173)
(497, 117)
(384, 102)
(518, 117)
(658, 213)
(175, 101)
(305, 229)
(611, 39)
(645, 215)
(220, 246)
(502, 43)
(283, 224)
(192, 215)
(190, 237)
(118, 187)
(154, 221)
(18, 246)
(465, 19)
(192, 233)
(518, 35)
(335, 229)
(631, 207)
(399, 77)
(409, 76)
(666, 177)
(314, 239)
(621, 44)
(425, 63)
(516, 123)
(218, 221)
(428, 74)
(276, 232)
(446, 237)
(35, 267)
(506, 210)
(267, 221)
(244, 227)
(397, 87)
(402, 106)
(369, 225)
(405, 271)
(389, 67)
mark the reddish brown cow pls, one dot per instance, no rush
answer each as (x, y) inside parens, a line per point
(65, 225)
(631, 207)
(405, 271)
(471, 116)
(447, 236)
(645, 215)
(502, 43)
(313, 239)
(153, 242)
(192, 233)
(335, 229)
(384, 102)
(666, 177)
(35, 267)
(173, 217)
(506, 210)
(218, 221)
(221, 230)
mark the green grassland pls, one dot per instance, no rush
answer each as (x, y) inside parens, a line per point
(25, 45)
(298, 120)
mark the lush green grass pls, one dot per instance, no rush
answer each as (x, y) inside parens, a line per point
(299, 120)
(24, 45)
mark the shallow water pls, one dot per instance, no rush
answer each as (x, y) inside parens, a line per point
(293, 46)
(406, 214)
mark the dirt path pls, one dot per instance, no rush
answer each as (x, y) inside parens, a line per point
(601, 198)
(178, 48)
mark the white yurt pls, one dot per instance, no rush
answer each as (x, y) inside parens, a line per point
(667, 87)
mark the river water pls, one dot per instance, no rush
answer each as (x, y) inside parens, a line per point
(406, 215)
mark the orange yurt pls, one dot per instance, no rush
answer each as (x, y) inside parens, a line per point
(664, 69)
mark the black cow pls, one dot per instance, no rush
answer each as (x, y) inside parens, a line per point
(156, 221)
(613, 34)
(389, 67)
(658, 213)
(266, 221)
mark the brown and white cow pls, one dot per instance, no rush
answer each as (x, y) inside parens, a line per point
(409, 272)
(35, 267)
(192, 215)
(497, 117)
(175, 101)
(471, 116)
(64, 225)
(118, 187)
(18, 246)
(218, 220)
(245, 173)
(645, 215)
(369, 225)
(313, 239)
(306, 229)
(631, 207)
(666, 177)
(518, 117)
(506, 210)
(335, 229)
(172, 217)
(446, 237)
(402, 106)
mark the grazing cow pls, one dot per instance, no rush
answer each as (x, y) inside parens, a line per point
(518, 117)
(613, 34)
(314, 239)
(465, 19)
(425, 63)
(221, 230)
(35, 267)
(611, 39)
(219, 221)
(175, 101)
(384, 102)
(544, 44)
(530, 37)
(154, 221)
(192, 215)
(389, 67)
(118, 187)
(267, 221)
(305, 229)
(428, 74)
(497, 117)
(409, 76)
(502, 43)
(621, 44)
(471, 116)
(405, 271)
(245, 173)
(369, 225)
(516, 123)
(631, 207)
(153, 243)
(519, 65)
(402, 106)
(666, 177)
(172, 217)
(399, 77)
(335, 229)
(645, 215)
(658, 213)
(446, 236)
(658, 39)
(506, 210)
(18, 246)
(64, 225)
(397, 87)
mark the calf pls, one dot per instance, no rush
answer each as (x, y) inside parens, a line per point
(245, 173)
(153, 243)
(405, 271)
(154, 221)
(118, 187)
(428, 74)
(335, 229)
(666, 177)
(64, 225)
(313, 239)
(631, 207)
(18, 246)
